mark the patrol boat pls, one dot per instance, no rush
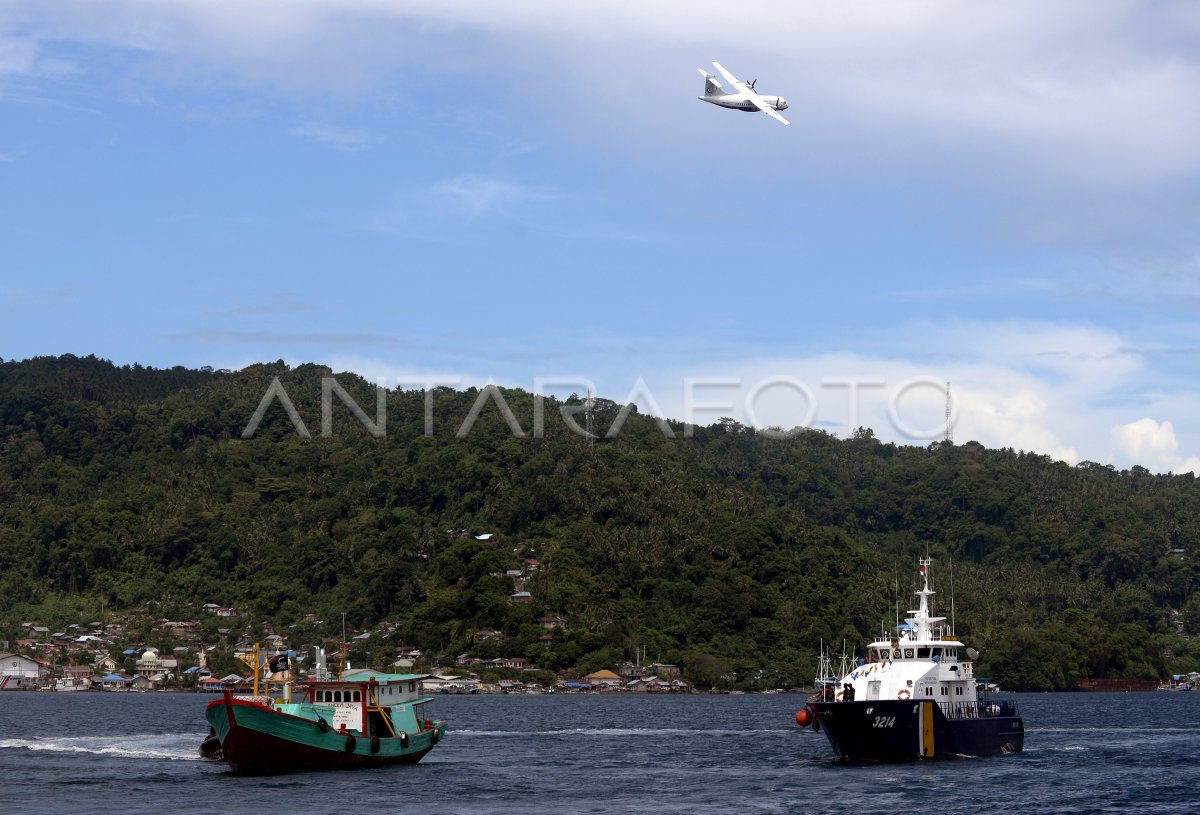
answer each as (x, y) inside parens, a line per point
(912, 698)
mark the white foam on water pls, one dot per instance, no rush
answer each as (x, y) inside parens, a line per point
(170, 746)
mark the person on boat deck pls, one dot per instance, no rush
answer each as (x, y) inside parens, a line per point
(847, 692)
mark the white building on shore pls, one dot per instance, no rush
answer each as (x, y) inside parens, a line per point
(18, 671)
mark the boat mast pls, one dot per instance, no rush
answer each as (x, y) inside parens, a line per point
(922, 618)
(342, 652)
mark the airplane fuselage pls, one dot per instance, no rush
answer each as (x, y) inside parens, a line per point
(738, 102)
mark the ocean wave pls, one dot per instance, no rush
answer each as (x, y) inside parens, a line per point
(165, 746)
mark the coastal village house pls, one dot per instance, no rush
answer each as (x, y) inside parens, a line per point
(22, 668)
(602, 679)
(107, 665)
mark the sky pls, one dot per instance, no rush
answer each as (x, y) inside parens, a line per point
(999, 196)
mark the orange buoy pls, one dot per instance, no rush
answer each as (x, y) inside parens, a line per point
(803, 717)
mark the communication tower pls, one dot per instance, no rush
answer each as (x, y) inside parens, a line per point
(591, 436)
(949, 436)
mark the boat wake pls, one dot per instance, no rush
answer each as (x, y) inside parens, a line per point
(172, 746)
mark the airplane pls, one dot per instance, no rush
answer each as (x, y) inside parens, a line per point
(745, 98)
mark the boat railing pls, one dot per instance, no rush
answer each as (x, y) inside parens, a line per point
(982, 709)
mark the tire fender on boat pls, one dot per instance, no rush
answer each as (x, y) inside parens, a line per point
(211, 748)
(322, 725)
(350, 742)
(403, 739)
(375, 744)
(436, 735)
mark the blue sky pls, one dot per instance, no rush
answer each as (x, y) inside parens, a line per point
(1003, 198)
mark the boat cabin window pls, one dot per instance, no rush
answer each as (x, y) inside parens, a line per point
(922, 653)
(357, 698)
(958, 691)
(945, 691)
(929, 691)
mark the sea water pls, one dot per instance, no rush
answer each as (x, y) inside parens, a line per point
(133, 753)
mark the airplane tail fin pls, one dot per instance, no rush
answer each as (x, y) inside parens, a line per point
(711, 86)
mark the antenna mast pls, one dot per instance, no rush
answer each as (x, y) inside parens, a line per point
(949, 435)
(591, 436)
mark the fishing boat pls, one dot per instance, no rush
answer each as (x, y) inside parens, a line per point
(913, 698)
(356, 719)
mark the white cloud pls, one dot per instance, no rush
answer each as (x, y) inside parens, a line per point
(1000, 400)
(1146, 438)
(342, 139)
(902, 400)
(17, 56)
(1042, 387)
(1153, 444)
(480, 195)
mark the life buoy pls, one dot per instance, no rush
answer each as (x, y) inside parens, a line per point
(838, 696)
(350, 742)
(375, 744)
(903, 694)
(403, 739)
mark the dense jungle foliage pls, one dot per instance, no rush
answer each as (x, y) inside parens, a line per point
(730, 553)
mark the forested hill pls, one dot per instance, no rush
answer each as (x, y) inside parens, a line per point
(730, 553)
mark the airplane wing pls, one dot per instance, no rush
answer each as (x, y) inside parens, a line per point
(748, 92)
(767, 109)
(738, 84)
